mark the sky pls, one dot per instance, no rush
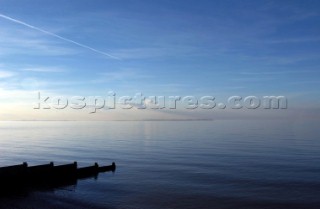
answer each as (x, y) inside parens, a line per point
(159, 48)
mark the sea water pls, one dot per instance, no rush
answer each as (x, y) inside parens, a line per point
(171, 164)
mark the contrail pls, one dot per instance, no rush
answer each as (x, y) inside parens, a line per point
(57, 36)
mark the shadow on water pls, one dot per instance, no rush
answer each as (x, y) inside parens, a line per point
(45, 199)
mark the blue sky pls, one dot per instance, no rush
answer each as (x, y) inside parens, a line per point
(218, 48)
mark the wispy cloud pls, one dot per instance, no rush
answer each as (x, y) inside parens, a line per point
(57, 36)
(157, 51)
(6, 74)
(304, 82)
(21, 42)
(279, 72)
(122, 75)
(44, 69)
(293, 40)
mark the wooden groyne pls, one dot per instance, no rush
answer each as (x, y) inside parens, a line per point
(21, 177)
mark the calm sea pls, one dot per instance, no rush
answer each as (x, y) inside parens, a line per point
(172, 164)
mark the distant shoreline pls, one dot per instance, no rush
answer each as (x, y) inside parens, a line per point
(107, 120)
